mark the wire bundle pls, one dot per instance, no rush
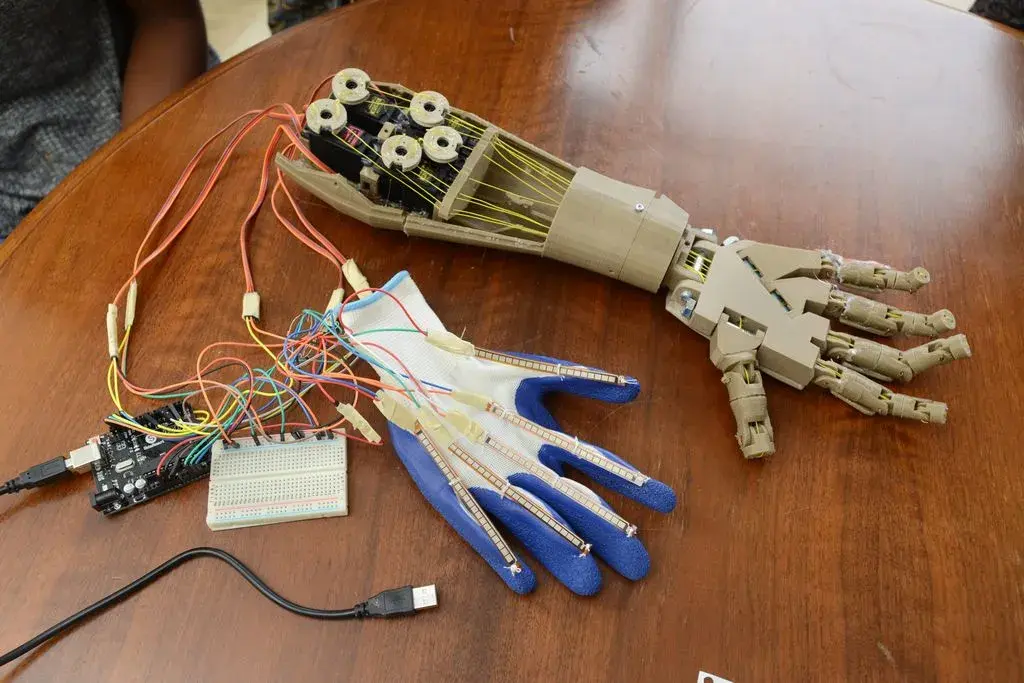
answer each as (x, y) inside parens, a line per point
(314, 355)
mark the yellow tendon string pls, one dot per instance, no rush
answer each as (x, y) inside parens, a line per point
(506, 224)
(533, 163)
(502, 209)
(386, 171)
(527, 172)
(522, 180)
(512, 194)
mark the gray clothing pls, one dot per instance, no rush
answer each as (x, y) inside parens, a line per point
(60, 95)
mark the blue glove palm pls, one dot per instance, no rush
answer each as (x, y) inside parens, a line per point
(485, 451)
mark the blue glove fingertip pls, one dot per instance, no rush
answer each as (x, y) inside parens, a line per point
(653, 493)
(625, 554)
(578, 572)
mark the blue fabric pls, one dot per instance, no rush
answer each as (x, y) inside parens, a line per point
(625, 554)
(435, 489)
(578, 572)
(654, 494)
(531, 392)
(530, 404)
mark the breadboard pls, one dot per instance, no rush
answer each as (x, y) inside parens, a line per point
(273, 482)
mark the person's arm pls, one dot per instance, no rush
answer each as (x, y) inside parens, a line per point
(168, 50)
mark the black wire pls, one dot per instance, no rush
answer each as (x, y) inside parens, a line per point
(154, 574)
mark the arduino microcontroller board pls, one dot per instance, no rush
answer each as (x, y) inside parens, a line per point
(126, 473)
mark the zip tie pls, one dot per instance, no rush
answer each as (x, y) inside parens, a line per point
(129, 307)
(334, 303)
(112, 330)
(251, 305)
(445, 340)
(359, 422)
(355, 278)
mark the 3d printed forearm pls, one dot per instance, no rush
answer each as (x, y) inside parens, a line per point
(409, 161)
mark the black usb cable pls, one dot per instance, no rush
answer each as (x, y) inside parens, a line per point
(389, 603)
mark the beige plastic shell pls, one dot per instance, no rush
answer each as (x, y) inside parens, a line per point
(792, 343)
(601, 224)
(616, 229)
(887, 363)
(880, 318)
(871, 398)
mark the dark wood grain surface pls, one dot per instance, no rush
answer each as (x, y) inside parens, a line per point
(863, 550)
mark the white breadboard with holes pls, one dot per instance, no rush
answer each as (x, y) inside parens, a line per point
(273, 482)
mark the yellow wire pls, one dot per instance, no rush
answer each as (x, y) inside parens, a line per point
(252, 333)
(526, 171)
(510, 193)
(469, 125)
(522, 180)
(387, 171)
(497, 207)
(505, 224)
(533, 163)
(115, 395)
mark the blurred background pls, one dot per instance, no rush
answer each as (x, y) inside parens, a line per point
(235, 25)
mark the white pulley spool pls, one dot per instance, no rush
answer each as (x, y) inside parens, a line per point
(441, 144)
(351, 86)
(401, 151)
(326, 115)
(428, 108)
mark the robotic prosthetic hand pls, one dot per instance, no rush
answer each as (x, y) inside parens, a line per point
(409, 161)
(766, 309)
(481, 446)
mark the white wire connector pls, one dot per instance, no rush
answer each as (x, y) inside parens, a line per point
(443, 339)
(350, 413)
(112, 330)
(334, 303)
(468, 398)
(251, 305)
(468, 427)
(129, 306)
(355, 278)
(394, 412)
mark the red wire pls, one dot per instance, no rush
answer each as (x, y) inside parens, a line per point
(384, 291)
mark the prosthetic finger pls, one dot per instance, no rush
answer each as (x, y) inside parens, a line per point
(733, 351)
(750, 408)
(871, 398)
(886, 363)
(882, 319)
(875, 276)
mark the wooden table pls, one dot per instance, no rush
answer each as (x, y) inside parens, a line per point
(863, 550)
